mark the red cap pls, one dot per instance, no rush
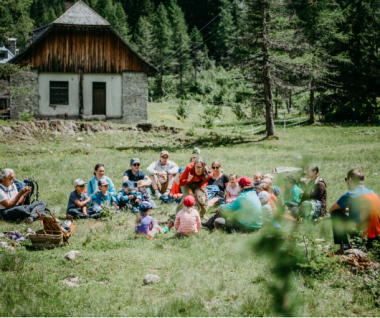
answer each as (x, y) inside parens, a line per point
(189, 201)
(245, 181)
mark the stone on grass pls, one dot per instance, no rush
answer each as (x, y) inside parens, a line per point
(71, 282)
(345, 133)
(286, 169)
(151, 279)
(51, 152)
(319, 240)
(196, 150)
(356, 252)
(80, 139)
(71, 255)
(299, 157)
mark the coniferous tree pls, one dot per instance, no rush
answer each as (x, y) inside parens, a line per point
(182, 41)
(143, 38)
(163, 43)
(121, 23)
(197, 53)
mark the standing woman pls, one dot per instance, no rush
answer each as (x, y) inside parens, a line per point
(219, 179)
(196, 175)
(93, 188)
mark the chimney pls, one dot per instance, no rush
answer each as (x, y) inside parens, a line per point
(68, 4)
(12, 45)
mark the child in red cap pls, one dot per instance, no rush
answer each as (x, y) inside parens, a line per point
(188, 221)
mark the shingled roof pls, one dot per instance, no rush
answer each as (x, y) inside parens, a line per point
(81, 14)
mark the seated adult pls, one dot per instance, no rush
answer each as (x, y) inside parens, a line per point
(99, 174)
(11, 200)
(162, 174)
(313, 199)
(195, 176)
(243, 214)
(220, 180)
(363, 207)
(135, 174)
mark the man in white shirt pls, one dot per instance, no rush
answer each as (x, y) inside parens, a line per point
(162, 173)
(11, 200)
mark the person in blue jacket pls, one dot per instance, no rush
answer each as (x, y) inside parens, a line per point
(243, 214)
(93, 188)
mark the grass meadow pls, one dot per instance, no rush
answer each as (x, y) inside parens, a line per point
(211, 274)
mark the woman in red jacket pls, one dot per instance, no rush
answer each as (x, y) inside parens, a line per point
(195, 176)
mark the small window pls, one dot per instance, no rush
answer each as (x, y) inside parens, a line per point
(3, 55)
(59, 93)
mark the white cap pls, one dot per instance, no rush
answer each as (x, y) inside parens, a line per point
(79, 182)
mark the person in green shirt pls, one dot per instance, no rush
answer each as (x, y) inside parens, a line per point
(292, 192)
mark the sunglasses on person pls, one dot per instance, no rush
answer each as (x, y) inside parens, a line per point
(136, 165)
(164, 157)
(215, 167)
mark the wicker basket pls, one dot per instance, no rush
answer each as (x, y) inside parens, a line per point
(52, 239)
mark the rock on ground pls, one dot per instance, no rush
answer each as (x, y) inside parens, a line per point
(71, 255)
(151, 279)
(196, 150)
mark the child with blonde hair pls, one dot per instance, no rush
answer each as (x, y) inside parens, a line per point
(257, 180)
(267, 207)
(188, 221)
(233, 188)
(276, 189)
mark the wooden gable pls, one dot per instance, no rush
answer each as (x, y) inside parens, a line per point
(93, 50)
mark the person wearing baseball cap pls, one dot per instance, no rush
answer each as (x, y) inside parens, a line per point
(135, 174)
(78, 200)
(243, 214)
(128, 198)
(144, 222)
(188, 221)
(162, 174)
(104, 197)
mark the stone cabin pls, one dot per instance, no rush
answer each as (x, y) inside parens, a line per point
(81, 66)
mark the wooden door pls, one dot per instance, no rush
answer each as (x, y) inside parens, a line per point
(98, 98)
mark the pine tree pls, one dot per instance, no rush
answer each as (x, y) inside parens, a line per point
(121, 24)
(49, 16)
(181, 39)
(196, 53)
(268, 51)
(162, 43)
(143, 38)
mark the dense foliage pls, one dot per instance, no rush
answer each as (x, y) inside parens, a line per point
(256, 55)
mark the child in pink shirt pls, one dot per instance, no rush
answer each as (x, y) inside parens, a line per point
(188, 220)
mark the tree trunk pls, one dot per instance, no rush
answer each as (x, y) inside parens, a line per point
(180, 73)
(290, 102)
(276, 105)
(266, 74)
(312, 90)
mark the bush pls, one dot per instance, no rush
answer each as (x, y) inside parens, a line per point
(239, 112)
(210, 113)
(183, 111)
(191, 132)
(106, 213)
(26, 116)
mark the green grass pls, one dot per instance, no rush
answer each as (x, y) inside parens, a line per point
(212, 274)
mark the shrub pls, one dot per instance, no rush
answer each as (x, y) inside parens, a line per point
(210, 113)
(106, 213)
(191, 132)
(239, 112)
(26, 115)
(183, 111)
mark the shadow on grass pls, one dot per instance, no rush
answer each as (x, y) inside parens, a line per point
(212, 139)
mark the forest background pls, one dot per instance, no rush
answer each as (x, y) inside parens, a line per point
(257, 57)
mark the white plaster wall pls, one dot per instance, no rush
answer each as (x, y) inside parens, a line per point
(113, 93)
(44, 94)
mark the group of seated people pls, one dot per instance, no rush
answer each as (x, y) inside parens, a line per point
(245, 205)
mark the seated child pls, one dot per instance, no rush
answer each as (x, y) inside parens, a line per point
(144, 222)
(276, 189)
(144, 195)
(175, 194)
(77, 202)
(104, 197)
(188, 221)
(257, 179)
(292, 192)
(266, 207)
(233, 188)
(128, 197)
(266, 186)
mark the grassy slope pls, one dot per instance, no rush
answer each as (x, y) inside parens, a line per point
(211, 274)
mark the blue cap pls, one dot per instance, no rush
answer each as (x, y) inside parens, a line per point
(145, 206)
(102, 182)
(181, 169)
(128, 184)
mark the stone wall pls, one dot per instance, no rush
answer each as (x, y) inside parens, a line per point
(30, 101)
(135, 97)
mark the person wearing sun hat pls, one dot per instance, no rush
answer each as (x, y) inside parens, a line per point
(243, 214)
(188, 220)
(145, 225)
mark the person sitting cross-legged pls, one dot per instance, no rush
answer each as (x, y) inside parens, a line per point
(78, 200)
(135, 174)
(11, 200)
(363, 218)
(162, 174)
(128, 198)
(188, 221)
(104, 197)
